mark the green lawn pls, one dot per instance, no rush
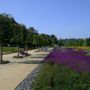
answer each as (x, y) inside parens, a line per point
(9, 49)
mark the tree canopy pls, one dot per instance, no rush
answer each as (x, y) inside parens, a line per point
(13, 33)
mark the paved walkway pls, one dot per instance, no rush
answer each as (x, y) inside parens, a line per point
(13, 73)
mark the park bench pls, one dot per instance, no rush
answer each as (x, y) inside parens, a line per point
(24, 53)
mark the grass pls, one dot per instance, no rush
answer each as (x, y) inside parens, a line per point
(4, 62)
(12, 49)
(85, 48)
(80, 47)
(9, 49)
(32, 62)
(38, 56)
(88, 54)
(60, 77)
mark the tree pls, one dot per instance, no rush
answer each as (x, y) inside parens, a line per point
(19, 36)
(44, 40)
(30, 32)
(60, 42)
(35, 40)
(5, 32)
(1, 43)
(88, 41)
(54, 40)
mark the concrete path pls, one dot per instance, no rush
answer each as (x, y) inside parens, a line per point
(13, 73)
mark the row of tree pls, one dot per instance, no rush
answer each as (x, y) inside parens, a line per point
(74, 42)
(15, 34)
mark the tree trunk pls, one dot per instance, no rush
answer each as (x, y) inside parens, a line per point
(36, 47)
(26, 47)
(1, 53)
(17, 50)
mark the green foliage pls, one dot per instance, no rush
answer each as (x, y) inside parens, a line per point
(74, 42)
(84, 43)
(9, 49)
(35, 39)
(30, 34)
(60, 42)
(13, 33)
(59, 77)
(16, 34)
(88, 41)
(53, 40)
(6, 22)
(44, 40)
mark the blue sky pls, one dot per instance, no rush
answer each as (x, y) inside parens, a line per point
(64, 18)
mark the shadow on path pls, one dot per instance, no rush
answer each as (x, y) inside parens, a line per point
(32, 62)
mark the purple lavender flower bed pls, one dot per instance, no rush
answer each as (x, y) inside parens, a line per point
(76, 60)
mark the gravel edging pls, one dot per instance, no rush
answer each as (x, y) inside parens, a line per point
(26, 84)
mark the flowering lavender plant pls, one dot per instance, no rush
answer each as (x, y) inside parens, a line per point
(76, 60)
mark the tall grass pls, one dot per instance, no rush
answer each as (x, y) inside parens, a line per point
(59, 77)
